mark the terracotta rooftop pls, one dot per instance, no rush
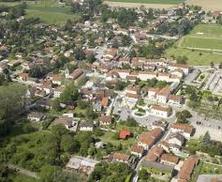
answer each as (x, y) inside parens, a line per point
(150, 137)
(161, 108)
(187, 168)
(104, 102)
(169, 158)
(184, 127)
(123, 134)
(137, 149)
(120, 156)
(154, 153)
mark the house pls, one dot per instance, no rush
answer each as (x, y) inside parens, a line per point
(145, 75)
(75, 74)
(148, 139)
(163, 95)
(124, 134)
(187, 168)
(185, 129)
(209, 178)
(133, 90)
(110, 54)
(82, 164)
(137, 150)
(176, 138)
(36, 116)
(104, 102)
(121, 73)
(58, 91)
(175, 100)
(170, 147)
(120, 157)
(57, 79)
(68, 122)
(159, 124)
(185, 68)
(152, 93)
(23, 76)
(44, 103)
(169, 159)
(86, 126)
(105, 120)
(161, 111)
(154, 153)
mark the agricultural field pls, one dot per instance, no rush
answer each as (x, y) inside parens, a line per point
(150, 1)
(209, 5)
(202, 46)
(49, 11)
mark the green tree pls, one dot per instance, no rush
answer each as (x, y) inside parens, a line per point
(70, 94)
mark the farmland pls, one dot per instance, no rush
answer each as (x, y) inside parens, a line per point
(209, 5)
(159, 4)
(48, 11)
(201, 46)
(150, 1)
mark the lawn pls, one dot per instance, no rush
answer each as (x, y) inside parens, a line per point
(49, 11)
(206, 168)
(110, 137)
(201, 46)
(150, 1)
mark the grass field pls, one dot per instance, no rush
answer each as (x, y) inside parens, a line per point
(201, 46)
(150, 1)
(49, 11)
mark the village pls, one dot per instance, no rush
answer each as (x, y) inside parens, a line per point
(142, 111)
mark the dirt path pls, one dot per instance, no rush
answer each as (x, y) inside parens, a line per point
(23, 171)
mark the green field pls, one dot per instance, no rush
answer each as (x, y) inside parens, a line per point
(49, 11)
(201, 46)
(150, 1)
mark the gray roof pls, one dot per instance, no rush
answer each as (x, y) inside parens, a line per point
(156, 165)
(209, 178)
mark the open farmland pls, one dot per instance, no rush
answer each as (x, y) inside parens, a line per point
(48, 11)
(158, 4)
(201, 46)
(150, 1)
(209, 5)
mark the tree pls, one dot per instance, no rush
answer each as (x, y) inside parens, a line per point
(182, 60)
(70, 94)
(220, 66)
(69, 144)
(79, 54)
(12, 100)
(144, 175)
(206, 139)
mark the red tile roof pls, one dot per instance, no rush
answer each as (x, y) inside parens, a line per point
(123, 134)
(187, 168)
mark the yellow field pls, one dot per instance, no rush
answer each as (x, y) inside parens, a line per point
(138, 5)
(209, 5)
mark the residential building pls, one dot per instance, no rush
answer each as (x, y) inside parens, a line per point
(187, 168)
(161, 111)
(120, 157)
(185, 129)
(169, 159)
(148, 139)
(137, 150)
